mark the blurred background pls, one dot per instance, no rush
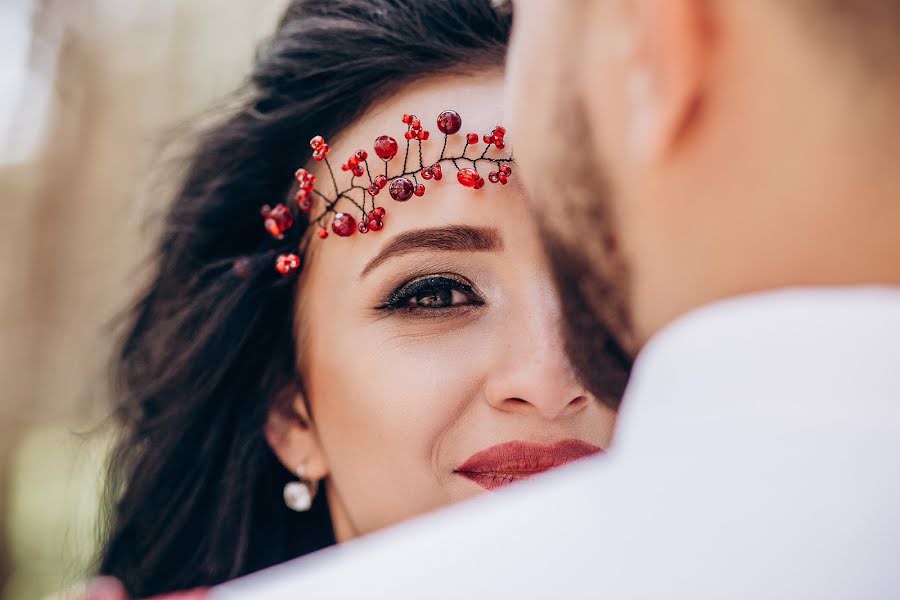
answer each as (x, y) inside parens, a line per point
(94, 94)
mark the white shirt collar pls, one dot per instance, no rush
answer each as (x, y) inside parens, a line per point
(796, 358)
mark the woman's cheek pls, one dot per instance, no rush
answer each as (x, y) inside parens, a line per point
(382, 420)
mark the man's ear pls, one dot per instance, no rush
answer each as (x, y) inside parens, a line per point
(292, 435)
(666, 61)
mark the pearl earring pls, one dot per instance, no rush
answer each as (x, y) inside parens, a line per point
(298, 495)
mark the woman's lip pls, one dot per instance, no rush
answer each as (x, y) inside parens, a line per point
(506, 463)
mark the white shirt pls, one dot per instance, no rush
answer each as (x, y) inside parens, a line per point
(757, 456)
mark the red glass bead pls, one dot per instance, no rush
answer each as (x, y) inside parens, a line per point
(353, 161)
(321, 152)
(479, 183)
(500, 130)
(504, 179)
(449, 122)
(427, 173)
(358, 171)
(363, 227)
(468, 177)
(277, 220)
(386, 147)
(374, 219)
(374, 189)
(343, 224)
(488, 139)
(422, 135)
(505, 170)
(436, 171)
(416, 124)
(401, 189)
(305, 178)
(285, 263)
(472, 138)
(381, 181)
(304, 200)
(494, 176)
(409, 135)
(362, 154)
(345, 167)
(272, 227)
(316, 142)
(420, 190)
(407, 119)
(323, 233)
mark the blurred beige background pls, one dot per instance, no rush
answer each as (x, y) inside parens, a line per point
(91, 91)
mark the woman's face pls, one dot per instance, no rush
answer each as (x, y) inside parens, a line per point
(435, 338)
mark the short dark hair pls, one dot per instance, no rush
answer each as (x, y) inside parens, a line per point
(195, 490)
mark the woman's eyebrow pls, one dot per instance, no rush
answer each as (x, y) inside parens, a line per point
(452, 238)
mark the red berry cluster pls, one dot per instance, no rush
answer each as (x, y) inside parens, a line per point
(377, 185)
(501, 176)
(307, 182)
(285, 263)
(496, 137)
(277, 220)
(374, 221)
(355, 163)
(432, 172)
(415, 131)
(401, 187)
(470, 178)
(320, 148)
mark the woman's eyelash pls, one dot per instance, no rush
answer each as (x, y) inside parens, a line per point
(434, 287)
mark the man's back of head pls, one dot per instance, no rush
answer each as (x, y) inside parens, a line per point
(710, 148)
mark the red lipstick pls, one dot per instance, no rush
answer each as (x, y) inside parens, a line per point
(510, 462)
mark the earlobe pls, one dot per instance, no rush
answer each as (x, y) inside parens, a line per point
(664, 74)
(294, 439)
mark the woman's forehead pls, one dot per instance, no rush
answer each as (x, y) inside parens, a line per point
(478, 100)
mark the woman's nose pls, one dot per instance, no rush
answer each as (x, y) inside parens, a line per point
(533, 375)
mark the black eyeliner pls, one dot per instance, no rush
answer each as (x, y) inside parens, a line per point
(398, 298)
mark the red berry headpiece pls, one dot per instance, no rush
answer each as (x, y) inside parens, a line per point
(401, 186)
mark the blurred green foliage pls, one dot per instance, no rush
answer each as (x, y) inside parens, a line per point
(56, 482)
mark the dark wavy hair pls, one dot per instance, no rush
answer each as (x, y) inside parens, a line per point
(194, 491)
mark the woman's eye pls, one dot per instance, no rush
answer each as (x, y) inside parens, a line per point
(438, 298)
(431, 293)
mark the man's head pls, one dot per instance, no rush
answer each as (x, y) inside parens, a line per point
(683, 151)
